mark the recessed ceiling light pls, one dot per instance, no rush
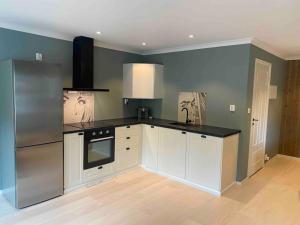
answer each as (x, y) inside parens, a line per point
(144, 43)
(191, 36)
(98, 32)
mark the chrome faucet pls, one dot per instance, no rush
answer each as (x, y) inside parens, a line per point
(187, 120)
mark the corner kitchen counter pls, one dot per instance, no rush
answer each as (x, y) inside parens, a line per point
(70, 129)
(202, 129)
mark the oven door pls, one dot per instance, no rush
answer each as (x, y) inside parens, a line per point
(98, 151)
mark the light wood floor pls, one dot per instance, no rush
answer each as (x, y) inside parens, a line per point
(270, 197)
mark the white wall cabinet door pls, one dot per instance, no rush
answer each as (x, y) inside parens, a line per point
(204, 160)
(142, 81)
(172, 152)
(73, 159)
(150, 146)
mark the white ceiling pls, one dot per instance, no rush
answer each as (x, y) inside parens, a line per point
(162, 24)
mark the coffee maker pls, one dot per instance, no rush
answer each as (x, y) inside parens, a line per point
(143, 113)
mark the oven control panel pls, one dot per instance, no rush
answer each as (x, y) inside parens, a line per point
(100, 132)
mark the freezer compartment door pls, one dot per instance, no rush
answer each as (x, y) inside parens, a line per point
(38, 103)
(39, 173)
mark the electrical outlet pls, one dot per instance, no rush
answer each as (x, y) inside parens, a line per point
(267, 158)
(38, 56)
(232, 108)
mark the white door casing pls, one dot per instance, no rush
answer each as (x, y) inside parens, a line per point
(259, 116)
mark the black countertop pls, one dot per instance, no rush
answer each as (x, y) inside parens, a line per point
(71, 129)
(202, 129)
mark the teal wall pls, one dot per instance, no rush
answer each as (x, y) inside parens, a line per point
(108, 67)
(7, 132)
(109, 74)
(221, 72)
(225, 73)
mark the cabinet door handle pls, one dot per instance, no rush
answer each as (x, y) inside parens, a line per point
(183, 132)
(80, 134)
(127, 149)
(100, 167)
(127, 137)
(128, 127)
(203, 136)
(152, 126)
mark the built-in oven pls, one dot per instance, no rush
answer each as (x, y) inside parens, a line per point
(99, 147)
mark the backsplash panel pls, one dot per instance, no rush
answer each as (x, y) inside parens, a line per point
(78, 107)
(195, 103)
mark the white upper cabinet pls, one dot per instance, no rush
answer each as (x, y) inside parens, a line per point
(143, 81)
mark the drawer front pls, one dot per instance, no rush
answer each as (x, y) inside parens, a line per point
(126, 158)
(128, 141)
(128, 131)
(95, 172)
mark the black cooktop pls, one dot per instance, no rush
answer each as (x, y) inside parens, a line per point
(91, 125)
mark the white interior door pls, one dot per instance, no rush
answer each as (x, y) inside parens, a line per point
(259, 117)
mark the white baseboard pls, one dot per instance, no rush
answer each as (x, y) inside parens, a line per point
(99, 180)
(287, 157)
(181, 180)
(228, 187)
(197, 186)
(242, 181)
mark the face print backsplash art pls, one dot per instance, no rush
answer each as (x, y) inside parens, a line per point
(195, 104)
(78, 107)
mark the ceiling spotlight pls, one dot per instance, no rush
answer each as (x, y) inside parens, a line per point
(98, 32)
(191, 36)
(144, 43)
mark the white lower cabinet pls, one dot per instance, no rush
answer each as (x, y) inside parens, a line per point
(172, 152)
(150, 146)
(73, 159)
(204, 161)
(127, 147)
(212, 161)
(204, 157)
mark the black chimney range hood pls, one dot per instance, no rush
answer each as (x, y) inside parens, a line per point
(83, 65)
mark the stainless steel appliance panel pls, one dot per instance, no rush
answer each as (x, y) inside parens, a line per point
(39, 173)
(38, 103)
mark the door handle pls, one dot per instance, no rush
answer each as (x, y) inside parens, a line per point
(255, 120)
(102, 139)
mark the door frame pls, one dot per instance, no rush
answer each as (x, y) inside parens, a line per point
(257, 60)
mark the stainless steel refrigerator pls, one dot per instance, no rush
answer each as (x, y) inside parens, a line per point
(31, 131)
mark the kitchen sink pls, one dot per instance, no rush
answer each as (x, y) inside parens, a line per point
(182, 124)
